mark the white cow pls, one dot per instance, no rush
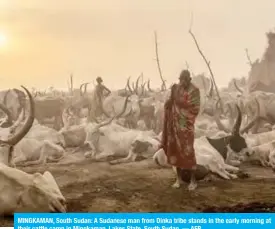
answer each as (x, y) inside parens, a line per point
(32, 152)
(22, 192)
(260, 153)
(113, 139)
(259, 139)
(75, 135)
(41, 144)
(206, 156)
(40, 132)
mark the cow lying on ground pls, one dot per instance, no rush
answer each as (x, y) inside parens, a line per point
(75, 135)
(104, 140)
(23, 192)
(215, 154)
(264, 154)
(41, 132)
(111, 139)
(30, 151)
(41, 144)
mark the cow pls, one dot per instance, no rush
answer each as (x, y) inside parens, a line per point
(31, 151)
(50, 108)
(216, 154)
(110, 139)
(75, 135)
(260, 153)
(23, 192)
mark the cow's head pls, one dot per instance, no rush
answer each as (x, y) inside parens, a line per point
(7, 144)
(93, 134)
(270, 160)
(93, 130)
(235, 139)
(50, 197)
(33, 192)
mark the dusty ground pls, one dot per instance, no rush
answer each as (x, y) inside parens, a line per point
(143, 187)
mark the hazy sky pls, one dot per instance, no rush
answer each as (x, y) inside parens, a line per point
(49, 39)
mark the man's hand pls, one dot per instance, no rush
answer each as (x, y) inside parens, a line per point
(160, 146)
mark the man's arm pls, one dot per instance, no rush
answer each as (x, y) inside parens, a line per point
(107, 89)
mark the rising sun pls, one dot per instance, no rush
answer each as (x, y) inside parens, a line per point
(3, 39)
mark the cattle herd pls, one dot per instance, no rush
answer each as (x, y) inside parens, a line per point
(233, 127)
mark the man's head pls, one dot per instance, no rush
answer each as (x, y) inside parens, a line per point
(185, 78)
(99, 80)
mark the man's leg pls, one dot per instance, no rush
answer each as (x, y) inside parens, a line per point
(193, 182)
(178, 181)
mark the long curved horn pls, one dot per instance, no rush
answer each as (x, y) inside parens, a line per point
(85, 87)
(128, 85)
(5, 97)
(133, 87)
(236, 86)
(218, 121)
(8, 122)
(231, 114)
(254, 120)
(81, 86)
(236, 128)
(148, 86)
(143, 90)
(137, 82)
(115, 116)
(124, 107)
(12, 141)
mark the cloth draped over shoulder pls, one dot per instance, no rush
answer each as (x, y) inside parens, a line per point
(178, 130)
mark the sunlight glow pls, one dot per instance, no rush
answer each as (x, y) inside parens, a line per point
(3, 39)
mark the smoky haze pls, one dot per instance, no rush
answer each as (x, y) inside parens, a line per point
(48, 40)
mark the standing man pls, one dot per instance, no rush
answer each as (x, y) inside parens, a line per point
(181, 110)
(100, 88)
(99, 94)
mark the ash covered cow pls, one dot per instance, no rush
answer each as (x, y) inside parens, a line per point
(20, 191)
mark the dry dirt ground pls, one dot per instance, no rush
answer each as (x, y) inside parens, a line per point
(143, 187)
